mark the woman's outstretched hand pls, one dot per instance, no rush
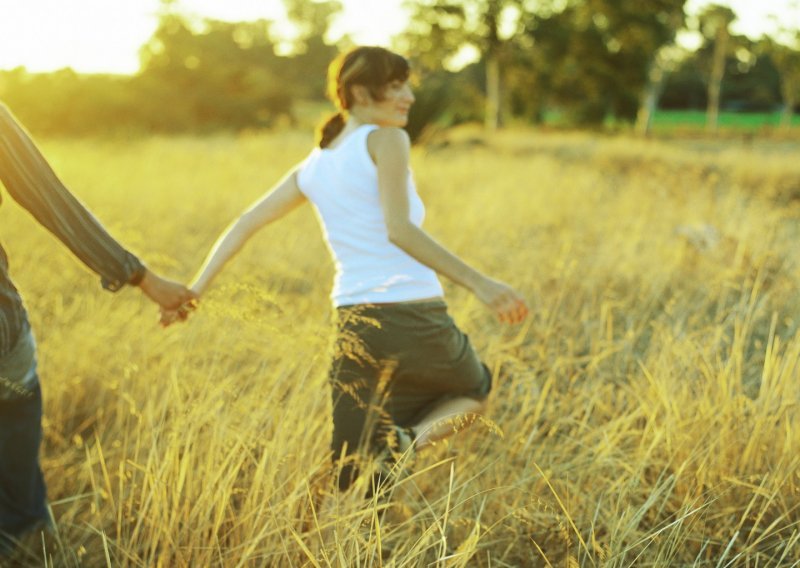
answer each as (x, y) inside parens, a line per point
(168, 294)
(168, 317)
(181, 313)
(508, 305)
(172, 297)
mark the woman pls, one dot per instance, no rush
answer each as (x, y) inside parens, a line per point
(409, 367)
(32, 183)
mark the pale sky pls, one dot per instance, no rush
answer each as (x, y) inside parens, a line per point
(756, 17)
(105, 35)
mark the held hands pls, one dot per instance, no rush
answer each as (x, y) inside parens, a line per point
(181, 313)
(172, 297)
(507, 304)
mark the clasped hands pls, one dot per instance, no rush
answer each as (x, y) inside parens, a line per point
(175, 300)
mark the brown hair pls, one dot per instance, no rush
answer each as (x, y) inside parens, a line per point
(371, 67)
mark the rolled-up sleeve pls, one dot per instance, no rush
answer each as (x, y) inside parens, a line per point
(31, 181)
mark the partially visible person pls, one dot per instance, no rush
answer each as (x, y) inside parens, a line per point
(30, 180)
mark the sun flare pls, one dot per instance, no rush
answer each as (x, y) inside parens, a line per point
(98, 36)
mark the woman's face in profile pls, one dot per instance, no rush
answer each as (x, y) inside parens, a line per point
(392, 109)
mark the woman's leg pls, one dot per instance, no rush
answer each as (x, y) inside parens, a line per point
(349, 421)
(357, 417)
(441, 385)
(447, 418)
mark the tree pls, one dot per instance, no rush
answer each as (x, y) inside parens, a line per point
(751, 81)
(311, 54)
(664, 62)
(786, 58)
(715, 21)
(659, 40)
(440, 29)
(603, 58)
(223, 74)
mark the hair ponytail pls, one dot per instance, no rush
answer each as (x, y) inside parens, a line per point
(330, 129)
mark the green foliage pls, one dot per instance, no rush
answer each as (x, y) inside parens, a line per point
(309, 62)
(445, 98)
(594, 56)
(786, 59)
(227, 75)
(715, 19)
(66, 102)
(441, 28)
(746, 86)
(437, 30)
(589, 58)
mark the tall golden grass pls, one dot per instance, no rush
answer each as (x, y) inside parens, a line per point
(646, 414)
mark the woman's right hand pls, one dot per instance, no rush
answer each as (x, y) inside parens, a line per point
(181, 313)
(508, 305)
(168, 294)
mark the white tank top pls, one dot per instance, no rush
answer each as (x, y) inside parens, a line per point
(342, 184)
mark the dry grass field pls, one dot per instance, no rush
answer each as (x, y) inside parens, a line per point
(646, 414)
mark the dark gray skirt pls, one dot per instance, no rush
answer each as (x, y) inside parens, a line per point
(396, 362)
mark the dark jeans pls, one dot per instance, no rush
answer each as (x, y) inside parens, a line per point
(23, 499)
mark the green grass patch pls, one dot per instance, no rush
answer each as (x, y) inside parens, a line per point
(739, 120)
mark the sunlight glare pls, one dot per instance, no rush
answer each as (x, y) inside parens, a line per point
(87, 35)
(94, 36)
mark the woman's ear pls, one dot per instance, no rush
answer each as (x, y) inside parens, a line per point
(361, 94)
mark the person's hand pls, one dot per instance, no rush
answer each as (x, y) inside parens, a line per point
(168, 317)
(508, 305)
(171, 296)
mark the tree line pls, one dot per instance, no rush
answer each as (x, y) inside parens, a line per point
(592, 60)
(587, 60)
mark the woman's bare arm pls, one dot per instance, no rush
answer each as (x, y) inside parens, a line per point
(280, 200)
(389, 148)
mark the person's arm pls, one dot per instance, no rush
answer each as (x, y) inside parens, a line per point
(280, 200)
(389, 147)
(32, 183)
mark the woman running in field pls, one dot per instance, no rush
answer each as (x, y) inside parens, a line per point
(411, 367)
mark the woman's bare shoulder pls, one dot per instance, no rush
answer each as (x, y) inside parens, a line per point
(388, 139)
